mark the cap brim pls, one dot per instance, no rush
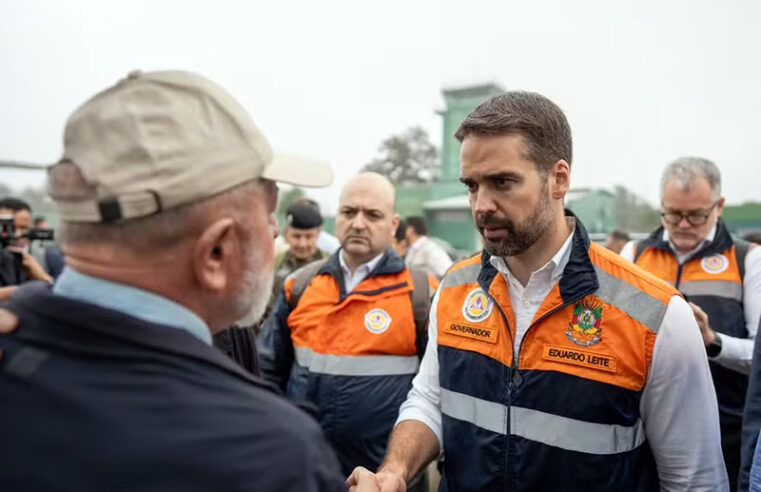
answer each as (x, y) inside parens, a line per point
(299, 171)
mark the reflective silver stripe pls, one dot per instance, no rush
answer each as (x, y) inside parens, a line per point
(464, 275)
(481, 413)
(731, 290)
(639, 305)
(575, 435)
(356, 365)
(303, 355)
(546, 428)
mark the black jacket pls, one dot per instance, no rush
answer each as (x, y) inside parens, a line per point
(92, 399)
(11, 272)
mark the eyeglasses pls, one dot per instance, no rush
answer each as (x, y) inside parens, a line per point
(697, 218)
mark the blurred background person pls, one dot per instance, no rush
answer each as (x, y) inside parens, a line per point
(753, 237)
(326, 241)
(45, 251)
(302, 231)
(41, 222)
(422, 251)
(17, 263)
(399, 241)
(616, 240)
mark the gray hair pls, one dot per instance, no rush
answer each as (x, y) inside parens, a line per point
(152, 232)
(687, 169)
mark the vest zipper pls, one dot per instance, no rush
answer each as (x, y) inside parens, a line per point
(679, 275)
(514, 377)
(509, 389)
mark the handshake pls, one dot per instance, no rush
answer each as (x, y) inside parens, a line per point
(363, 480)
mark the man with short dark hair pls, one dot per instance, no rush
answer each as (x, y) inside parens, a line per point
(41, 222)
(166, 192)
(422, 251)
(18, 264)
(399, 242)
(303, 227)
(616, 240)
(552, 363)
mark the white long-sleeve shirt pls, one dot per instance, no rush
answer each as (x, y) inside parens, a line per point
(429, 256)
(678, 404)
(736, 353)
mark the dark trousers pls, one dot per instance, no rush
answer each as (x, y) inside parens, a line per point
(731, 436)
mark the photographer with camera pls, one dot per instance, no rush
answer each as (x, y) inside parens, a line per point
(17, 264)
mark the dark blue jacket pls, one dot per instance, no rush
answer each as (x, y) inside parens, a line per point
(356, 406)
(92, 399)
(751, 417)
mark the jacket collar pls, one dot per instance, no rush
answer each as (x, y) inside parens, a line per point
(579, 278)
(389, 264)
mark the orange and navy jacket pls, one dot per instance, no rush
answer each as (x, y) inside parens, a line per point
(711, 279)
(352, 356)
(563, 412)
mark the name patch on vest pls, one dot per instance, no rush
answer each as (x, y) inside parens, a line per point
(483, 333)
(582, 358)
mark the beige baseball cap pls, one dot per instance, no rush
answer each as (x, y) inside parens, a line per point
(158, 140)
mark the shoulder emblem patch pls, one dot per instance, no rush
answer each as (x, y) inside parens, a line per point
(377, 321)
(477, 306)
(584, 329)
(715, 264)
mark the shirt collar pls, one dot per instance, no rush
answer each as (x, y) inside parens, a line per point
(130, 300)
(557, 263)
(364, 268)
(418, 244)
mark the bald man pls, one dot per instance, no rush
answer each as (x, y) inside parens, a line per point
(347, 332)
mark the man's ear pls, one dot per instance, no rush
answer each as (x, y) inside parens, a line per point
(560, 179)
(395, 224)
(214, 254)
(720, 207)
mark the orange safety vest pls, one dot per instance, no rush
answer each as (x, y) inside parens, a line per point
(712, 278)
(563, 412)
(351, 356)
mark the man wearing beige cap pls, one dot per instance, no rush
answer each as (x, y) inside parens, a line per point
(166, 196)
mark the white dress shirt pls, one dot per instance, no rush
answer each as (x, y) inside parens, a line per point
(429, 256)
(736, 353)
(678, 404)
(351, 280)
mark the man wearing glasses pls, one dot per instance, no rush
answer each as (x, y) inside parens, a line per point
(721, 277)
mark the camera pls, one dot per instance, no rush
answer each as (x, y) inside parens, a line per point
(8, 232)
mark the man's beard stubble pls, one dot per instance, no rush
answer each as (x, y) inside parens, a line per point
(251, 301)
(520, 236)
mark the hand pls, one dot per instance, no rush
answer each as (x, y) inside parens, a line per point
(390, 482)
(32, 266)
(363, 480)
(5, 292)
(705, 330)
(8, 323)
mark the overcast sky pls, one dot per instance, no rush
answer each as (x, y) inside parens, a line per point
(642, 82)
